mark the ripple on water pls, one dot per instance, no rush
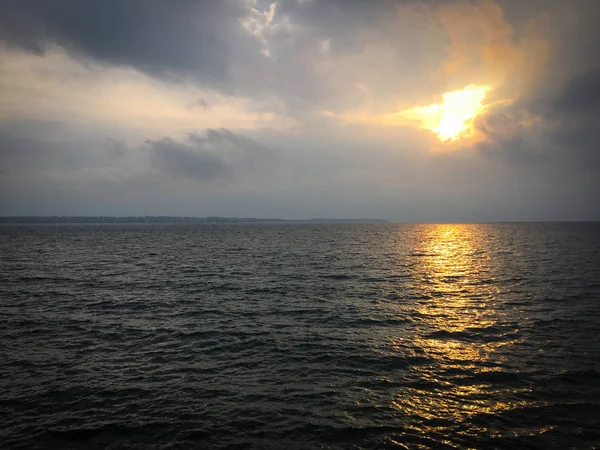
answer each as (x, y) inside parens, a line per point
(300, 336)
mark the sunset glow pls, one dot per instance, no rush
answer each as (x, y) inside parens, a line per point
(452, 119)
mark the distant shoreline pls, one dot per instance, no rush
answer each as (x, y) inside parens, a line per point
(170, 219)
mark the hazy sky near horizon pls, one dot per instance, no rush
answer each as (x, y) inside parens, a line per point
(301, 108)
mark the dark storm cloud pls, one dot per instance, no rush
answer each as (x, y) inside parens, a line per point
(580, 95)
(558, 150)
(181, 37)
(563, 126)
(575, 115)
(552, 132)
(215, 154)
(160, 36)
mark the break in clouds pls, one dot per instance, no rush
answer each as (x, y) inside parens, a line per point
(297, 108)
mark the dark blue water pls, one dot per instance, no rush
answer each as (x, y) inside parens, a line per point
(300, 336)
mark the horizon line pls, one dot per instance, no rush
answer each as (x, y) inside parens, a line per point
(209, 219)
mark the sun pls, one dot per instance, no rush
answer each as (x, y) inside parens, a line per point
(452, 119)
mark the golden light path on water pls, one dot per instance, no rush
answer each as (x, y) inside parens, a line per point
(452, 279)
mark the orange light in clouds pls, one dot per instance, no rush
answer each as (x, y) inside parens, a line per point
(452, 119)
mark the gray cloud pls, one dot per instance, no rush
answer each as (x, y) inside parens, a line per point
(576, 114)
(186, 160)
(215, 154)
(556, 154)
(580, 95)
(559, 127)
(307, 60)
(201, 39)
(23, 152)
(550, 136)
(199, 103)
(205, 41)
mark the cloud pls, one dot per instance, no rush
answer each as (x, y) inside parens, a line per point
(200, 39)
(580, 95)
(187, 160)
(292, 96)
(51, 147)
(57, 87)
(199, 103)
(215, 154)
(308, 56)
(485, 44)
(553, 123)
(555, 134)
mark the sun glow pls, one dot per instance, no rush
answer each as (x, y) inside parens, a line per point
(452, 119)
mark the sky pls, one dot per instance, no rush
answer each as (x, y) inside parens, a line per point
(406, 110)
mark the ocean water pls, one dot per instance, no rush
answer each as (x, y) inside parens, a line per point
(300, 336)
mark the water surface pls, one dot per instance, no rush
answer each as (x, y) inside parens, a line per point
(300, 336)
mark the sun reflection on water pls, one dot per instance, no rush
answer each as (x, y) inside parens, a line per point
(460, 329)
(453, 270)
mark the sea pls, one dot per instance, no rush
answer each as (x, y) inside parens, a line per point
(300, 336)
